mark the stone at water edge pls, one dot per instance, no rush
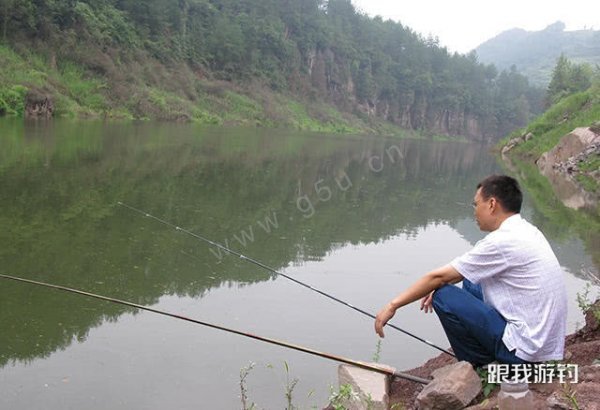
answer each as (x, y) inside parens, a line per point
(372, 387)
(453, 387)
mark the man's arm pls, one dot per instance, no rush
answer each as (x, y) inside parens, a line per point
(422, 287)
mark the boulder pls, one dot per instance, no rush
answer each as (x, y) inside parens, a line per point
(453, 387)
(569, 146)
(38, 105)
(561, 165)
(513, 142)
(372, 388)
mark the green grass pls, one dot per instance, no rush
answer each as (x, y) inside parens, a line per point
(447, 138)
(14, 75)
(578, 110)
(592, 164)
(330, 120)
(241, 108)
(87, 92)
(12, 100)
(18, 70)
(74, 93)
(166, 105)
(299, 118)
(589, 183)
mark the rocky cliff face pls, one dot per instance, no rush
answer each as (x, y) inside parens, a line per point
(337, 81)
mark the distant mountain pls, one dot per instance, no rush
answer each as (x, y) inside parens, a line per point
(534, 53)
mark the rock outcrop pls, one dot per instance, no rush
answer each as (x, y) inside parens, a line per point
(332, 76)
(562, 164)
(516, 141)
(580, 140)
(38, 105)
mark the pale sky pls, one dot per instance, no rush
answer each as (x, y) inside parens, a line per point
(461, 25)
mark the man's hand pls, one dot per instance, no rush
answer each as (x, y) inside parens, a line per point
(426, 303)
(383, 317)
(422, 288)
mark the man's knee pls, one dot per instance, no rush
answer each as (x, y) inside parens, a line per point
(441, 296)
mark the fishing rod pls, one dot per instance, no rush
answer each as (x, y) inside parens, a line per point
(324, 355)
(270, 269)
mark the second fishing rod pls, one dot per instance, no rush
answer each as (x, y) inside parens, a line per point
(272, 270)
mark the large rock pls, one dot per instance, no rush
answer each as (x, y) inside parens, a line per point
(372, 388)
(38, 105)
(453, 387)
(561, 163)
(569, 146)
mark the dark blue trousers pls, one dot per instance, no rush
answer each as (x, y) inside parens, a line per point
(473, 328)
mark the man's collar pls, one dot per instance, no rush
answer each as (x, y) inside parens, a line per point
(514, 218)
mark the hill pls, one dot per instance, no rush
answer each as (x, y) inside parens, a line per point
(252, 62)
(534, 53)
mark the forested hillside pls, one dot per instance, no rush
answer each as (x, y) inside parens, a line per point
(194, 59)
(534, 53)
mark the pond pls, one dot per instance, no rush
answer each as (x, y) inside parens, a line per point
(357, 217)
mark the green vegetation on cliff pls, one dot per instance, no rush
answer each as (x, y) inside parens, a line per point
(76, 93)
(251, 62)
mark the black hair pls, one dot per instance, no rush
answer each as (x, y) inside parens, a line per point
(505, 189)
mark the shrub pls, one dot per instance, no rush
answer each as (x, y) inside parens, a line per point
(12, 100)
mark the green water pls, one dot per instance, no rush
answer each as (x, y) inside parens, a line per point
(357, 217)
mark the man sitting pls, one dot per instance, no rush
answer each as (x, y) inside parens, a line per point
(512, 306)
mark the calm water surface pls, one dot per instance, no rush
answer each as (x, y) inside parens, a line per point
(357, 217)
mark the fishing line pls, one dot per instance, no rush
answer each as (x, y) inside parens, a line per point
(262, 265)
(313, 352)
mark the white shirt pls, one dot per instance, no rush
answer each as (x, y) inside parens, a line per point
(522, 279)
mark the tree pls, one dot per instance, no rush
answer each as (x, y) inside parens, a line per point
(559, 84)
(568, 78)
(16, 15)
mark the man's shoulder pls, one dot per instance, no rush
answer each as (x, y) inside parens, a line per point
(513, 234)
(515, 227)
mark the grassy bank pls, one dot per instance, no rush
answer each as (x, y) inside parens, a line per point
(128, 92)
(577, 110)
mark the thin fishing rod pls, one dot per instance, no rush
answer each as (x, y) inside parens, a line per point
(336, 358)
(262, 265)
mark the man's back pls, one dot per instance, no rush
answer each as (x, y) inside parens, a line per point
(522, 279)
